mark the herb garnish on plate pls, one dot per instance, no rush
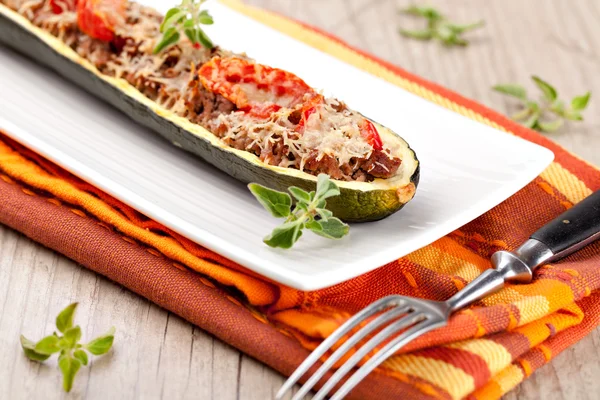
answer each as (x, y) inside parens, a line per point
(309, 212)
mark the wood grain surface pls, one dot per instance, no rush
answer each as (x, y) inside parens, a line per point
(158, 355)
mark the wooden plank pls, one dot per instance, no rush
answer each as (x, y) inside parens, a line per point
(158, 355)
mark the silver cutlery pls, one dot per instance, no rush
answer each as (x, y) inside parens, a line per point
(402, 318)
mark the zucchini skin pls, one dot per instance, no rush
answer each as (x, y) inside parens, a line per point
(353, 205)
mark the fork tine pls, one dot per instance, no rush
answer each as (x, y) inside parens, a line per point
(402, 323)
(350, 343)
(388, 350)
(333, 338)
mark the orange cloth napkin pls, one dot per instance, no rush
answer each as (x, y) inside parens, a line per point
(484, 352)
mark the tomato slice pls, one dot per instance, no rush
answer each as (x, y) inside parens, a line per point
(257, 89)
(97, 18)
(260, 90)
(369, 132)
(58, 6)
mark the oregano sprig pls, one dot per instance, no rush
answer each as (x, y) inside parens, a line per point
(534, 114)
(438, 27)
(72, 354)
(187, 17)
(309, 212)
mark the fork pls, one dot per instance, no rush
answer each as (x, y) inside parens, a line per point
(401, 319)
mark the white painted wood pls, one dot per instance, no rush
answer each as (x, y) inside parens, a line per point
(157, 355)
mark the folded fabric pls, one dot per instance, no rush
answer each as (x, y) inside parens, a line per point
(484, 352)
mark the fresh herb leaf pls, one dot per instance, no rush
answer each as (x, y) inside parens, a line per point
(573, 115)
(579, 103)
(279, 204)
(512, 90)
(438, 27)
(419, 35)
(309, 212)
(300, 194)
(48, 345)
(101, 344)
(72, 336)
(326, 188)
(64, 320)
(548, 90)
(81, 356)
(69, 367)
(532, 121)
(187, 17)
(324, 213)
(332, 228)
(285, 235)
(551, 126)
(29, 349)
(458, 29)
(72, 353)
(534, 114)
(172, 16)
(170, 37)
(426, 12)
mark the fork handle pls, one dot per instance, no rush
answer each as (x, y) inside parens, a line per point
(570, 231)
(573, 229)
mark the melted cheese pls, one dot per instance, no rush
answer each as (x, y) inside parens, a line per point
(327, 132)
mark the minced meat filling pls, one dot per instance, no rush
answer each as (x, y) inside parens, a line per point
(328, 139)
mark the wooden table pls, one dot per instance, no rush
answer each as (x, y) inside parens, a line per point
(159, 355)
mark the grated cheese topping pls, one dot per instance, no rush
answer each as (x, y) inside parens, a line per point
(330, 140)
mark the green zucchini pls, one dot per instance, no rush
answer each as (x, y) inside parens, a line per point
(358, 201)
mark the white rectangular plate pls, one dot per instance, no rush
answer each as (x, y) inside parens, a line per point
(466, 167)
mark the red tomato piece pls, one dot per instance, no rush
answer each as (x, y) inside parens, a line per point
(369, 132)
(254, 88)
(97, 18)
(58, 6)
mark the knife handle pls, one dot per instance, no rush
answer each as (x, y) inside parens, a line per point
(573, 229)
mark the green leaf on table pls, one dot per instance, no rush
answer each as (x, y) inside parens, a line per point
(285, 235)
(69, 367)
(64, 320)
(426, 12)
(438, 27)
(72, 336)
(524, 113)
(579, 103)
(458, 29)
(277, 203)
(419, 35)
(71, 353)
(101, 344)
(573, 115)
(29, 350)
(48, 345)
(509, 89)
(550, 126)
(81, 356)
(531, 122)
(548, 90)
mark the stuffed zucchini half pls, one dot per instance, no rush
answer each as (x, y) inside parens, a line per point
(256, 123)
